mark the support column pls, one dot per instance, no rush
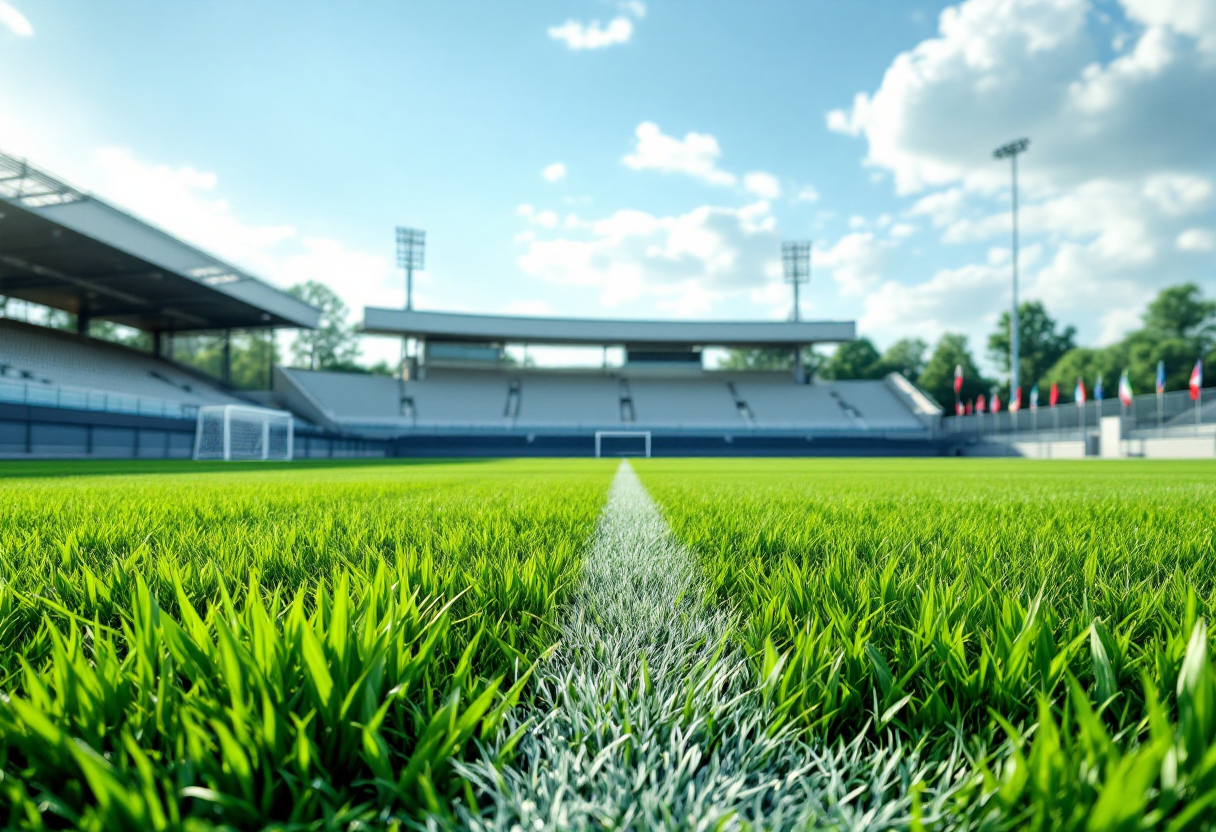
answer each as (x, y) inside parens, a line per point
(82, 319)
(157, 345)
(226, 369)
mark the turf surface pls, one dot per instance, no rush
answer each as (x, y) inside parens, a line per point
(991, 643)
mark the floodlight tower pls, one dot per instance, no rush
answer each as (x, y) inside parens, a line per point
(1011, 152)
(411, 254)
(796, 265)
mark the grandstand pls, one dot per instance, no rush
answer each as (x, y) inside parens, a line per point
(66, 394)
(462, 396)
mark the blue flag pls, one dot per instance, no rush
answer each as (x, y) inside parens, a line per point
(1098, 389)
(1160, 378)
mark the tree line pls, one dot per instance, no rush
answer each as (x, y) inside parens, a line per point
(1178, 327)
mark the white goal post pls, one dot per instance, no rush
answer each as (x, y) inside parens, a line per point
(234, 432)
(643, 435)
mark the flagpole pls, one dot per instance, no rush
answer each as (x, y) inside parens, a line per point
(1160, 414)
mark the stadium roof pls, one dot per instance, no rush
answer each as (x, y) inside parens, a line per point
(516, 330)
(64, 248)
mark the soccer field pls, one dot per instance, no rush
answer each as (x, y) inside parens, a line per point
(686, 644)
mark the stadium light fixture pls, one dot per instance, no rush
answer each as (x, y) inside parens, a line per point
(1011, 151)
(411, 255)
(796, 264)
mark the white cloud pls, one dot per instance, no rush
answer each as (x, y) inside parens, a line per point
(695, 155)
(857, 262)
(685, 262)
(554, 172)
(763, 185)
(1197, 239)
(1119, 170)
(15, 21)
(593, 35)
(902, 229)
(807, 194)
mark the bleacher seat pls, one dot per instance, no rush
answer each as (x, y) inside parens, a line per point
(47, 358)
(569, 400)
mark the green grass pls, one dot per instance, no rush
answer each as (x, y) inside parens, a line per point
(321, 645)
(182, 646)
(1046, 618)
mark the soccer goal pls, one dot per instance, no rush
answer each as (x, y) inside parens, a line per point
(232, 431)
(622, 443)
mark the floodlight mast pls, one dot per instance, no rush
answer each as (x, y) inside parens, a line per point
(411, 255)
(796, 266)
(1011, 151)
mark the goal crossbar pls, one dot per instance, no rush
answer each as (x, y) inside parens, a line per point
(621, 434)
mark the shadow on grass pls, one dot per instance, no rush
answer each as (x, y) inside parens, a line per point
(18, 469)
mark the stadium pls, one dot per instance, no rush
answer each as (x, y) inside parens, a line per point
(604, 532)
(68, 396)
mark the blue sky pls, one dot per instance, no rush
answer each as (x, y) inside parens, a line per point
(682, 142)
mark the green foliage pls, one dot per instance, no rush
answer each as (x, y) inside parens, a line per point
(906, 357)
(1040, 343)
(771, 359)
(252, 354)
(854, 360)
(938, 377)
(1179, 327)
(309, 646)
(1049, 619)
(332, 345)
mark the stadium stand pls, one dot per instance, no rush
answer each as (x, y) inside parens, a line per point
(40, 357)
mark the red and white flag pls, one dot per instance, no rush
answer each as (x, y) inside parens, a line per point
(1079, 394)
(996, 402)
(1196, 383)
(1054, 398)
(958, 379)
(1015, 404)
(979, 403)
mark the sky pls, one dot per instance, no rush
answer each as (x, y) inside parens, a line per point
(646, 159)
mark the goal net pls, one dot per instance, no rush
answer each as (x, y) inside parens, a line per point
(238, 432)
(622, 443)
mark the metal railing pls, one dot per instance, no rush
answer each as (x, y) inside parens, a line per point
(80, 398)
(1172, 414)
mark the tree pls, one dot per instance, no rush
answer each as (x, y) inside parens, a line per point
(1178, 328)
(938, 376)
(1181, 313)
(1040, 344)
(766, 358)
(334, 344)
(906, 357)
(1085, 363)
(854, 360)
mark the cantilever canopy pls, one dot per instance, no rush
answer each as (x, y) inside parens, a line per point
(66, 249)
(442, 326)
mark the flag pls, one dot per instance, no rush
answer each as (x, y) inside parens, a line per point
(1034, 396)
(1053, 397)
(959, 409)
(1015, 404)
(958, 379)
(1196, 381)
(1160, 378)
(970, 408)
(1098, 389)
(979, 403)
(996, 402)
(1125, 390)
(1078, 395)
